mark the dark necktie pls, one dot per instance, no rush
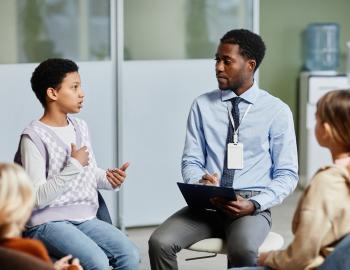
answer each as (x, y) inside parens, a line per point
(228, 174)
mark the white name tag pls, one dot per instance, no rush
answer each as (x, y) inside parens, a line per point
(235, 156)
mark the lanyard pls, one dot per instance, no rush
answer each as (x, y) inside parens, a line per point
(235, 133)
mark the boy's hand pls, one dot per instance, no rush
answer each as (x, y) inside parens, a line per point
(117, 176)
(82, 154)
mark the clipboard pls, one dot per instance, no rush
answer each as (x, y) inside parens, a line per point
(198, 196)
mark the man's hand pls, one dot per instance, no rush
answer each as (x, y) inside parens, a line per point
(262, 258)
(117, 176)
(210, 179)
(234, 209)
(82, 154)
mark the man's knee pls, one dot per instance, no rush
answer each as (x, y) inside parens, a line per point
(242, 256)
(159, 244)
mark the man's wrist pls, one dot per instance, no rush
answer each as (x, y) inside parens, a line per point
(256, 207)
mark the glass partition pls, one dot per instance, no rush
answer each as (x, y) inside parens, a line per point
(181, 29)
(33, 30)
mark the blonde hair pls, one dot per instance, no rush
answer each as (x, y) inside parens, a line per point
(334, 109)
(16, 199)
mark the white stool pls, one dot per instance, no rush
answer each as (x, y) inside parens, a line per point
(273, 241)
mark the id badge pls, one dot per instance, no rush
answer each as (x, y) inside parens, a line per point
(235, 156)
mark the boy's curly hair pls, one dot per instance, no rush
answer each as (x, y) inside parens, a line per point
(50, 73)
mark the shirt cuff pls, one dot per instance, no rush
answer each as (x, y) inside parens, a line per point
(193, 179)
(263, 200)
(257, 207)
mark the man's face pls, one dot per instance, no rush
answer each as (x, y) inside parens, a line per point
(233, 71)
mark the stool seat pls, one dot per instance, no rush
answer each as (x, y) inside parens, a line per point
(273, 241)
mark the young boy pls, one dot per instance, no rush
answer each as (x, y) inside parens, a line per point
(57, 154)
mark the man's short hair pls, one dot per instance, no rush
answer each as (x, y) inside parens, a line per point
(50, 73)
(250, 44)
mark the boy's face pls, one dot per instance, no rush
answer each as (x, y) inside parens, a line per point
(69, 96)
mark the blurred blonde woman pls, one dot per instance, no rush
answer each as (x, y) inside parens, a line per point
(16, 203)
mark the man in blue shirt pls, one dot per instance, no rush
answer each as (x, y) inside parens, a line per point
(238, 136)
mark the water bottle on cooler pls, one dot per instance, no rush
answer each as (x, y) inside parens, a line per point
(322, 47)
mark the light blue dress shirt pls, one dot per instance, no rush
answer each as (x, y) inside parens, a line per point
(268, 136)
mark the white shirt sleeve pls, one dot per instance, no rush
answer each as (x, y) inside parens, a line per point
(102, 181)
(46, 190)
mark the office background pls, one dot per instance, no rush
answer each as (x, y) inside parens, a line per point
(281, 25)
(142, 63)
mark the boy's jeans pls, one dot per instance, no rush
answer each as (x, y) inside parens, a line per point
(95, 243)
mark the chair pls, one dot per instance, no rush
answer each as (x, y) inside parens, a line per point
(102, 211)
(273, 241)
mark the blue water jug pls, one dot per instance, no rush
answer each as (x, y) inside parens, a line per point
(322, 46)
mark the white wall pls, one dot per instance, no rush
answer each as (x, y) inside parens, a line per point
(156, 97)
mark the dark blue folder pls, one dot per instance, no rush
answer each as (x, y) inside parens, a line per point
(198, 196)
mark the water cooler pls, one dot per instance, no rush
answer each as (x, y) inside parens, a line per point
(311, 88)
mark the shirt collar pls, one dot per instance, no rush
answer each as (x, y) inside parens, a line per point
(250, 95)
